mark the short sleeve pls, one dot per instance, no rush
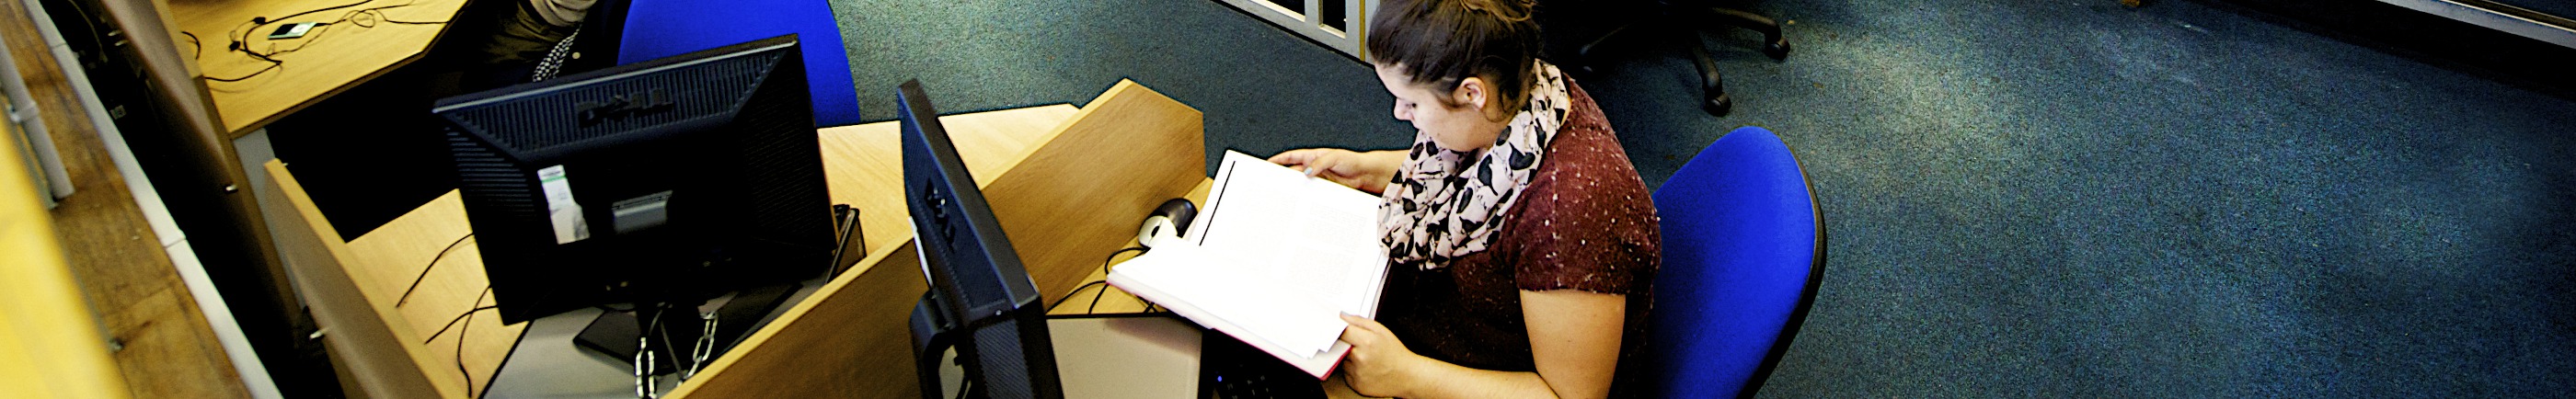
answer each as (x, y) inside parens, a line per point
(1587, 222)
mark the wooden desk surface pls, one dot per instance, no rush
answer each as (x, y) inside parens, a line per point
(394, 254)
(389, 257)
(856, 161)
(325, 61)
(1107, 299)
(1073, 196)
(863, 163)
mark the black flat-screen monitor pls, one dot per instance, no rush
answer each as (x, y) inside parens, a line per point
(981, 300)
(681, 177)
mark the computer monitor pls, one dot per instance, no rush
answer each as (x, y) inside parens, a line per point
(674, 178)
(981, 300)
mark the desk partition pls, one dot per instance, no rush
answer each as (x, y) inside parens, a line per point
(1072, 197)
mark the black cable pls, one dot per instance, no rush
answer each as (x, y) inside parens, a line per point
(377, 15)
(656, 328)
(1104, 274)
(310, 37)
(272, 64)
(433, 264)
(241, 38)
(381, 17)
(665, 332)
(1094, 307)
(97, 41)
(1077, 291)
(1104, 263)
(200, 50)
(1104, 288)
(452, 322)
(847, 223)
(478, 300)
(264, 21)
(460, 344)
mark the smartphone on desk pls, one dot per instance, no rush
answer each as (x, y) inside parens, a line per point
(293, 30)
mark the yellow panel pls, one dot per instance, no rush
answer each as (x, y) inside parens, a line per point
(50, 344)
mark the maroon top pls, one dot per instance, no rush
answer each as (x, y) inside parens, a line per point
(1586, 222)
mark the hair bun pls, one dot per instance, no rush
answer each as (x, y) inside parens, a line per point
(1512, 10)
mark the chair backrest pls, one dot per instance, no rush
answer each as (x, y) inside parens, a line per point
(367, 339)
(663, 28)
(1743, 253)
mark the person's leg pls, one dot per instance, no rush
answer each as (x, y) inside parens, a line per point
(524, 37)
(511, 47)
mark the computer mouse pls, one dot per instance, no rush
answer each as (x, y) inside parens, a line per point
(1167, 222)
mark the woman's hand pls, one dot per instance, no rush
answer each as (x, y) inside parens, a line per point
(1577, 356)
(1366, 171)
(1379, 365)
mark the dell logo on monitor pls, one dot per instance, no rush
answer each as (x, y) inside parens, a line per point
(623, 105)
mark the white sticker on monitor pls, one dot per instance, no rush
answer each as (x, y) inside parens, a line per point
(560, 208)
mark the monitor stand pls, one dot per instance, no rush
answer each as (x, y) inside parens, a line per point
(616, 333)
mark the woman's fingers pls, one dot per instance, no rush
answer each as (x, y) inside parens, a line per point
(1296, 157)
(1363, 332)
(1350, 169)
(1362, 322)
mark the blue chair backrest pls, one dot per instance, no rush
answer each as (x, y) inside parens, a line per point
(1743, 252)
(663, 28)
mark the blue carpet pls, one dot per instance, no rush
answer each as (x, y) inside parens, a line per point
(2043, 199)
(1262, 90)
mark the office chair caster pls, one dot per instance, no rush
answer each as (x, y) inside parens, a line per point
(1719, 105)
(1777, 49)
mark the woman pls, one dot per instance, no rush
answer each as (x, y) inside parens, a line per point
(1524, 243)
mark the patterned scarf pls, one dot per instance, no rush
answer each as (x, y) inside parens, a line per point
(1445, 204)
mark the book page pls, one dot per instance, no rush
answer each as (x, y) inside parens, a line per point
(1298, 230)
(1270, 311)
(1277, 257)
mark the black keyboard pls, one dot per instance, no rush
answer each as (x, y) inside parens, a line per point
(1229, 369)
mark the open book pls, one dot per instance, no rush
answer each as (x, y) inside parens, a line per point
(1274, 260)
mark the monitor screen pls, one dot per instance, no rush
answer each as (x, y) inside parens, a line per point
(680, 177)
(976, 279)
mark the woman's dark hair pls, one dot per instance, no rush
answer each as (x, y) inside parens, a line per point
(1440, 42)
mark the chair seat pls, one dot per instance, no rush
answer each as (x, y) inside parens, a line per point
(1743, 255)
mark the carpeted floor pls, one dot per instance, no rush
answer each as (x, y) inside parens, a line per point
(2045, 199)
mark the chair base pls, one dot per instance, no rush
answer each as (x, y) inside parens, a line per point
(1713, 97)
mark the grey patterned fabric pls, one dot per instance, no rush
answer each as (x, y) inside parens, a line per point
(553, 64)
(1444, 204)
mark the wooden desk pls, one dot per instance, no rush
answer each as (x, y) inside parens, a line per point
(1067, 183)
(330, 59)
(1073, 196)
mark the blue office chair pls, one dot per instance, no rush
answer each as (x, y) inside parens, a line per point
(1744, 251)
(663, 28)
